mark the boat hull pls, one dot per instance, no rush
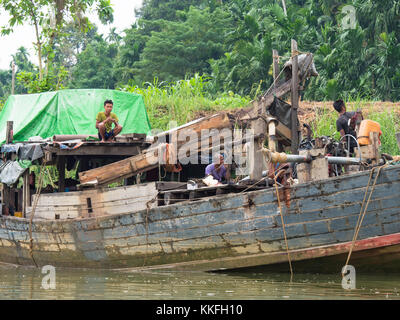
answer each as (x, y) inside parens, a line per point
(224, 232)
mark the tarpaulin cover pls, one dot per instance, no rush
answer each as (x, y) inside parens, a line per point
(70, 112)
(282, 111)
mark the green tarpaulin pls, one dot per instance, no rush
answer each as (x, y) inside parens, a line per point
(70, 112)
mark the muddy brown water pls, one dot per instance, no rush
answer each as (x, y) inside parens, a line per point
(18, 283)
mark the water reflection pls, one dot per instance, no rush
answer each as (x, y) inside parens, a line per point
(25, 283)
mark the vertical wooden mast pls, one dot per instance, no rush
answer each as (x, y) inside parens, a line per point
(295, 98)
(7, 191)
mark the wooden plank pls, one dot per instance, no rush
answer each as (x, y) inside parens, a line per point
(170, 185)
(275, 66)
(123, 169)
(295, 98)
(95, 203)
(217, 121)
(103, 149)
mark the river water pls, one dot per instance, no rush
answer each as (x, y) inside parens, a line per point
(27, 283)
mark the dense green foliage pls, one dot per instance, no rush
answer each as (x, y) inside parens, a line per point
(230, 42)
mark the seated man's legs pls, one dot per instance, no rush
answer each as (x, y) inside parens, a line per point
(104, 135)
(116, 131)
(102, 132)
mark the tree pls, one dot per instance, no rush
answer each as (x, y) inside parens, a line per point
(129, 52)
(48, 17)
(184, 48)
(71, 43)
(94, 68)
(153, 10)
(21, 60)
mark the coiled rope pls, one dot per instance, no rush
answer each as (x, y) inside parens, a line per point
(283, 228)
(363, 210)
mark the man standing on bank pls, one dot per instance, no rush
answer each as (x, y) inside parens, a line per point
(346, 123)
(104, 121)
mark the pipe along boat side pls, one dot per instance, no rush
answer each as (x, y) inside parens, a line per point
(225, 231)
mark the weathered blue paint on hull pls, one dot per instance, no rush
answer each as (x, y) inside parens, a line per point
(227, 231)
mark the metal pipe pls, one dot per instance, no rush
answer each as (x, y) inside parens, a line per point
(298, 158)
(66, 137)
(276, 157)
(343, 160)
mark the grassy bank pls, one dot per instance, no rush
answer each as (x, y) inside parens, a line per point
(183, 101)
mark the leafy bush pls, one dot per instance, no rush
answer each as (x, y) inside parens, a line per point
(183, 100)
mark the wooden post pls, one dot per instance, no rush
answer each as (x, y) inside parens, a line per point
(295, 98)
(7, 191)
(9, 132)
(275, 67)
(61, 173)
(256, 156)
(26, 198)
(13, 78)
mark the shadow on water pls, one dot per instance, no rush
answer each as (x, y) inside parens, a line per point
(26, 283)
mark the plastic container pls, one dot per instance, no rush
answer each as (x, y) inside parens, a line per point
(366, 127)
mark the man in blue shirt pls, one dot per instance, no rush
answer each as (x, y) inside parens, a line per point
(217, 169)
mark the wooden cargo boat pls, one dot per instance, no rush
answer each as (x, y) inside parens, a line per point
(226, 231)
(225, 227)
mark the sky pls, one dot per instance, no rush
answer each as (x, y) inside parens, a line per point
(124, 16)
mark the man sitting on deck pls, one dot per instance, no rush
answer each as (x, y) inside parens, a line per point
(104, 121)
(217, 169)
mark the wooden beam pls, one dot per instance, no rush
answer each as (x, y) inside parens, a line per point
(122, 169)
(295, 98)
(275, 66)
(98, 150)
(10, 132)
(61, 173)
(219, 120)
(26, 196)
(7, 191)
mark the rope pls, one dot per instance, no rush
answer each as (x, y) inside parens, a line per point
(147, 227)
(254, 184)
(38, 191)
(273, 83)
(363, 210)
(284, 230)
